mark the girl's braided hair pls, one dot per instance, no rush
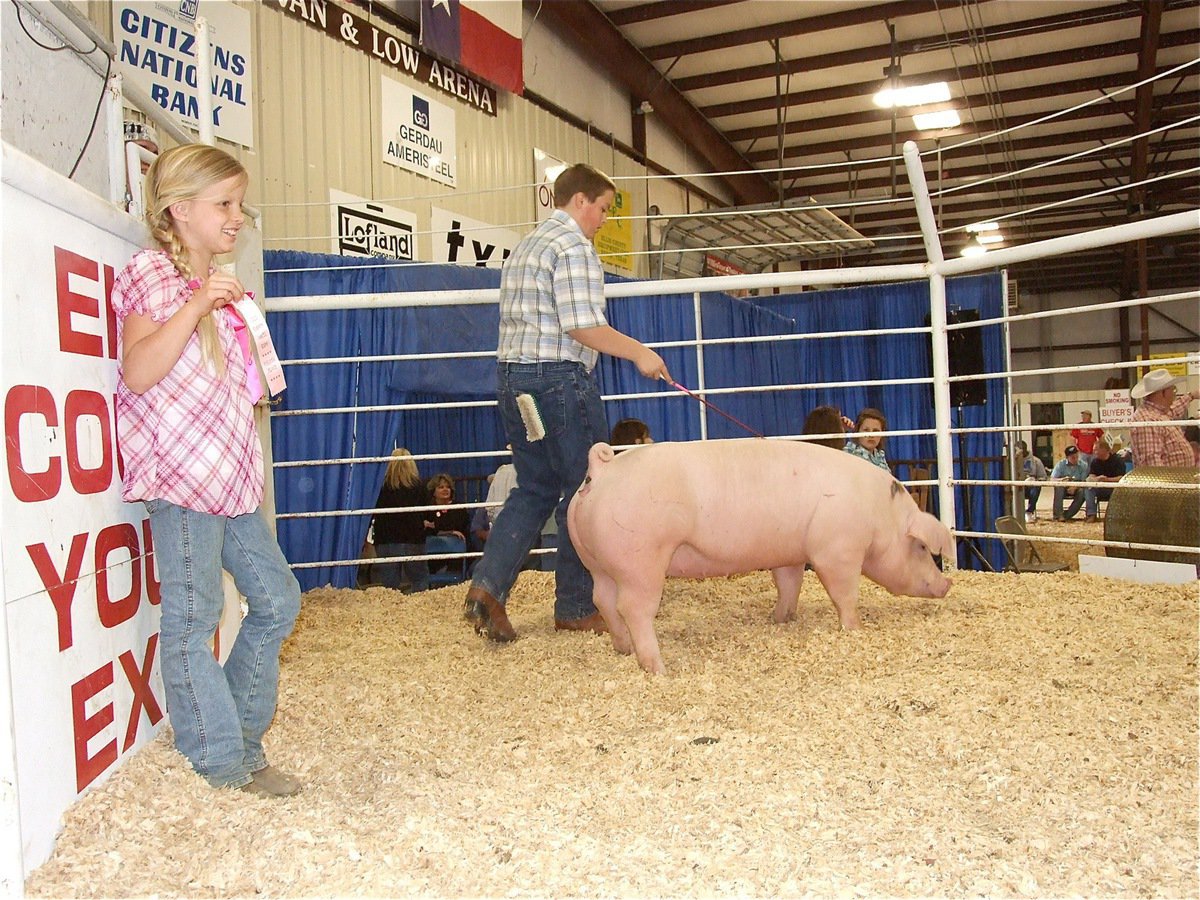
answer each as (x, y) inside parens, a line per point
(183, 173)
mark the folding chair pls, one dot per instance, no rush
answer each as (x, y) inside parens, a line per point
(1022, 555)
(455, 571)
(920, 492)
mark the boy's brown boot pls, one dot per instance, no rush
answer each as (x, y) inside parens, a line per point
(489, 616)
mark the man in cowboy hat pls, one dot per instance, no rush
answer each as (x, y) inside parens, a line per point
(1162, 445)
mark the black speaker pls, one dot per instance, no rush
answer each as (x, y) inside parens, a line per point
(965, 348)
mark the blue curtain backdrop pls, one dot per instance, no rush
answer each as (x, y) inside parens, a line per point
(442, 329)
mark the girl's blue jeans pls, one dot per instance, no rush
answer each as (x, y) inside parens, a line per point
(219, 715)
(549, 472)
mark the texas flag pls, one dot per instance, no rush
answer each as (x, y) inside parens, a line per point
(483, 36)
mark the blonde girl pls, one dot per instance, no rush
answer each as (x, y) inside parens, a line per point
(185, 416)
(402, 533)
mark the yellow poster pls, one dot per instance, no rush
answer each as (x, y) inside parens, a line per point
(614, 242)
(1179, 368)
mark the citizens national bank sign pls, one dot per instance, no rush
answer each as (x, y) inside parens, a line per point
(355, 31)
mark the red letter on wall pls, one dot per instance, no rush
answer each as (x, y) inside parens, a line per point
(153, 585)
(61, 589)
(139, 680)
(112, 537)
(89, 768)
(67, 264)
(29, 399)
(84, 404)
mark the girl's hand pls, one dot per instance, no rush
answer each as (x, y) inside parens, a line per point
(217, 291)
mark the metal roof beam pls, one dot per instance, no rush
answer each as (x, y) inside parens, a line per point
(1186, 38)
(594, 36)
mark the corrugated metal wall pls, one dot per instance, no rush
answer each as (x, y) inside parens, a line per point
(317, 127)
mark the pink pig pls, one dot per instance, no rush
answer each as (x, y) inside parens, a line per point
(726, 507)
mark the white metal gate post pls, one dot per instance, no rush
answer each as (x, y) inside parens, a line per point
(204, 100)
(937, 321)
(700, 365)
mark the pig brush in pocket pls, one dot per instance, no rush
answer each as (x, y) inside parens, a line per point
(535, 428)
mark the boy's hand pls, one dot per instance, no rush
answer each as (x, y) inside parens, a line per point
(651, 365)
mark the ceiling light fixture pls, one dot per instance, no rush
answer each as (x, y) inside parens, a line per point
(914, 95)
(973, 248)
(991, 238)
(983, 226)
(933, 121)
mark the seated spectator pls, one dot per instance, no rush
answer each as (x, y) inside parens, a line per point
(827, 420)
(1104, 467)
(628, 432)
(1162, 445)
(1032, 470)
(869, 446)
(454, 521)
(1085, 435)
(500, 485)
(1068, 469)
(401, 533)
(481, 527)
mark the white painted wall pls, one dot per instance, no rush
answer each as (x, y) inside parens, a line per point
(49, 98)
(1178, 322)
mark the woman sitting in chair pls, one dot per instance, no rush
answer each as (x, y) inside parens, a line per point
(402, 533)
(445, 521)
(452, 522)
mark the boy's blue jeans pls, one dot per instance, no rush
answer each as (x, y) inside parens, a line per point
(549, 472)
(220, 715)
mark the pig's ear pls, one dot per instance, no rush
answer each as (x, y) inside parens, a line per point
(932, 533)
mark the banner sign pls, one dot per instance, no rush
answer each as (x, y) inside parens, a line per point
(156, 44)
(80, 587)
(614, 240)
(546, 169)
(418, 133)
(715, 266)
(363, 228)
(469, 242)
(354, 31)
(1116, 408)
(1176, 369)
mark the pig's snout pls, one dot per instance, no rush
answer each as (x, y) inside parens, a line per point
(939, 587)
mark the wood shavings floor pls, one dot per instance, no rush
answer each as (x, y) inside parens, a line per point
(1028, 736)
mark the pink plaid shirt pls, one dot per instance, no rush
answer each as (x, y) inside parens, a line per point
(1164, 446)
(190, 439)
